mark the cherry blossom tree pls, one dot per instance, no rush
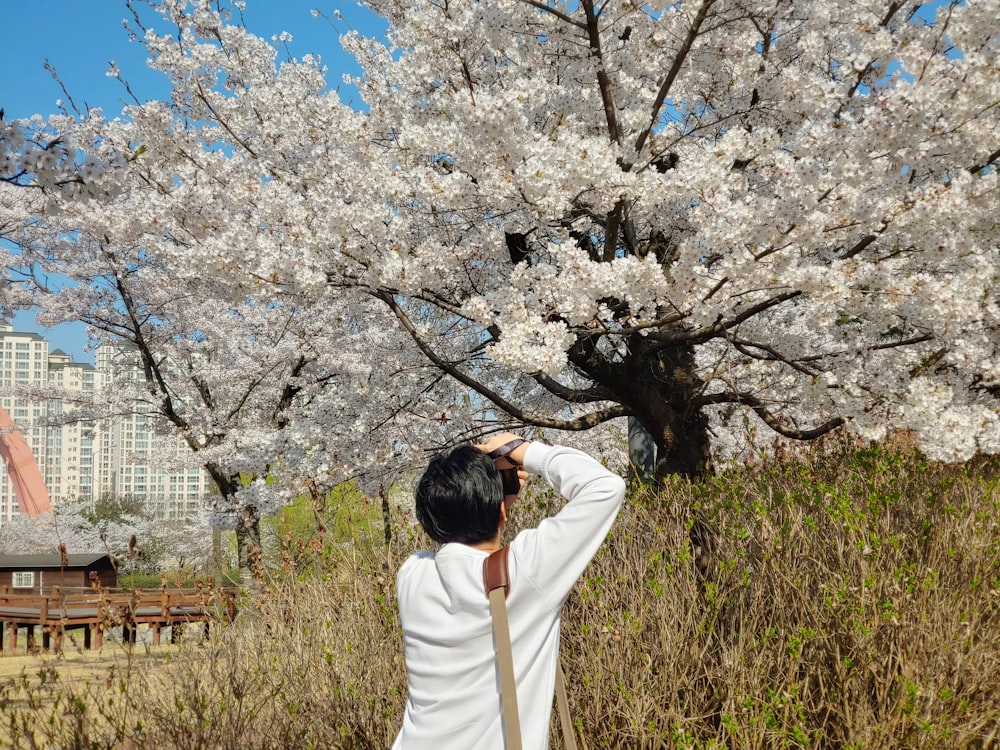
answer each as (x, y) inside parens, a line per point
(726, 210)
(666, 210)
(273, 388)
(131, 533)
(267, 395)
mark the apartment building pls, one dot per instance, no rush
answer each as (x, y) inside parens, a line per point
(131, 449)
(71, 446)
(24, 361)
(89, 458)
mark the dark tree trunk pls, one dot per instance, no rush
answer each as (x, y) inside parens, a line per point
(682, 446)
(383, 494)
(661, 389)
(249, 552)
(248, 547)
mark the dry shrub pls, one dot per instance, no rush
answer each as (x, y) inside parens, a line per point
(311, 663)
(851, 601)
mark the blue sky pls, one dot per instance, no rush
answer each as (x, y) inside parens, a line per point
(80, 37)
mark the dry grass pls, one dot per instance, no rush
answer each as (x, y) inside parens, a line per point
(852, 601)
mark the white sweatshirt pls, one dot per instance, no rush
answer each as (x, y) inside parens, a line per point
(454, 700)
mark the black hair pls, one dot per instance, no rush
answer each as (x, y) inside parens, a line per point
(459, 497)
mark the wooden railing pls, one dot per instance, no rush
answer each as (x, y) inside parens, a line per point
(97, 610)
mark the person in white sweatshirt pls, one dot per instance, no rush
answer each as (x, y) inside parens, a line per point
(454, 698)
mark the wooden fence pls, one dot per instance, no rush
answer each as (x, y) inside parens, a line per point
(98, 610)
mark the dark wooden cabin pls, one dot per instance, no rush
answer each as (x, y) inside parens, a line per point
(34, 574)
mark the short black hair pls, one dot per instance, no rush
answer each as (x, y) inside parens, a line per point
(459, 497)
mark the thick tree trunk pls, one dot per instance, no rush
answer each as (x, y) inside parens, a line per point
(249, 552)
(661, 388)
(682, 446)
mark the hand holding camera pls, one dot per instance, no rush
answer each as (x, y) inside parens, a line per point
(507, 451)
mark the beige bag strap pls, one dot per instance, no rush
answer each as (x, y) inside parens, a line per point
(505, 661)
(562, 700)
(496, 580)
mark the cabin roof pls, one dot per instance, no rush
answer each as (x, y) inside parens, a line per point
(29, 562)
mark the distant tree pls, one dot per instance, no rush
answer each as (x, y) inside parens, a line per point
(137, 538)
(110, 508)
(43, 534)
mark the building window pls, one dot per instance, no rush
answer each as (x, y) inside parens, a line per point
(24, 579)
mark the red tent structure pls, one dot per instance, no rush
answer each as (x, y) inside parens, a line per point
(32, 494)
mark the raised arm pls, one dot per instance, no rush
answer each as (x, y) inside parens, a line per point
(554, 555)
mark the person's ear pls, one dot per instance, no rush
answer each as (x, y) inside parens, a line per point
(503, 513)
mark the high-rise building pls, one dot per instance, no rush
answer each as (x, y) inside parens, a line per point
(90, 458)
(131, 445)
(23, 362)
(69, 468)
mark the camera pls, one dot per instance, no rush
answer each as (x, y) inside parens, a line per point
(511, 482)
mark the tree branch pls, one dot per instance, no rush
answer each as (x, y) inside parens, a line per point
(582, 422)
(288, 393)
(707, 332)
(555, 12)
(603, 80)
(744, 347)
(675, 69)
(589, 332)
(155, 383)
(989, 162)
(747, 399)
(802, 363)
(611, 228)
(861, 245)
(573, 395)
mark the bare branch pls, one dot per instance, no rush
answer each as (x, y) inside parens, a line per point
(990, 160)
(903, 342)
(744, 347)
(861, 245)
(720, 327)
(155, 382)
(555, 12)
(802, 363)
(573, 395)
